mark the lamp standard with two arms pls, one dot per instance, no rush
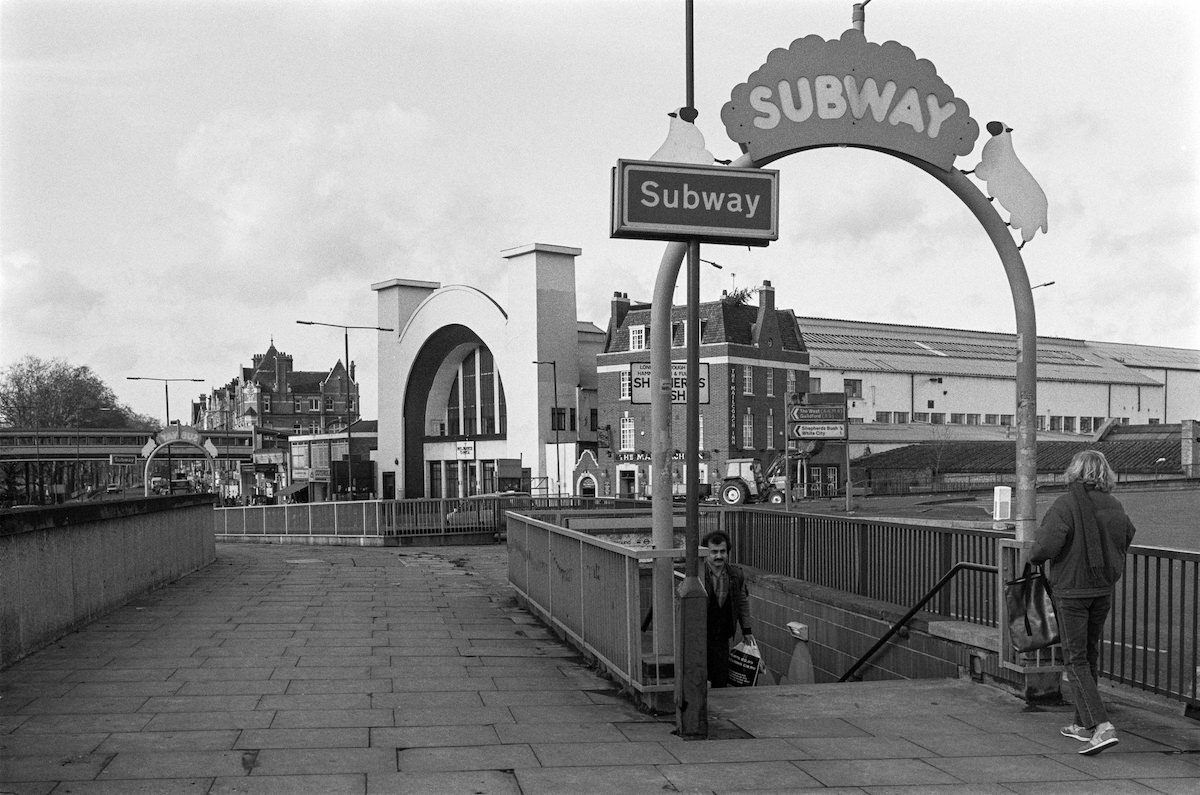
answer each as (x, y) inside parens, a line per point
(346, 335)
(555, 423)
(166, 382)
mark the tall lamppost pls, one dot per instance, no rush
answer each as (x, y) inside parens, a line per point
(346, 335)
(555, 423)
(166, 382)
(78, 420)
(37, 451)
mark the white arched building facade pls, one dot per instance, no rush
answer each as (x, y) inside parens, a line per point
(464, 408)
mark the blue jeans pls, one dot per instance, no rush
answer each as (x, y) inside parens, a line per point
(1080, 626)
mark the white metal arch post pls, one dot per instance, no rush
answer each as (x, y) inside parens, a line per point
(662, 534)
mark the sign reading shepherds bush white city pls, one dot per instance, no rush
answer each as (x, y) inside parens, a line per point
(708, 204)
(823, 420)
(849, 92)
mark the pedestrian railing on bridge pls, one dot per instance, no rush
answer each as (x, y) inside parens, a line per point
(597, 592)
(383, 521)
(1151, 641)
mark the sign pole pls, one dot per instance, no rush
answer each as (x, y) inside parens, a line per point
(691, 676)
(849, 487)
(692, 648)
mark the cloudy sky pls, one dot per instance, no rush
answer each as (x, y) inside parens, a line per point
(181, 181)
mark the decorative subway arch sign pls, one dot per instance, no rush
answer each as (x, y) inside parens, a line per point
(849, 92)
(177, 434)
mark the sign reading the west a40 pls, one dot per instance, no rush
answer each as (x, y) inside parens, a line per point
(707, 204)
(817, 413)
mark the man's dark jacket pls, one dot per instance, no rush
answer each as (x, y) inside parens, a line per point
(724, 619)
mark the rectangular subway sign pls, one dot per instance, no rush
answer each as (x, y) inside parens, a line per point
(707, 204)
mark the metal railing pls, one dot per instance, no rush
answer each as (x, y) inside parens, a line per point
(396, 518)
(894, 562)
(1152, 639)
(912, 611)
(596, 593)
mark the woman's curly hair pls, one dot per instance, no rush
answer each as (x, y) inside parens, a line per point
(1091, 468)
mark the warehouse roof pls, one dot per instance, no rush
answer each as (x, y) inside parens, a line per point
(1128, 452)
(882, 347)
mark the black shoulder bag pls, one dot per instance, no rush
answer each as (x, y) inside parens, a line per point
(1032, 623)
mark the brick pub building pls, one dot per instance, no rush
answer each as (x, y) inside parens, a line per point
(757, 364)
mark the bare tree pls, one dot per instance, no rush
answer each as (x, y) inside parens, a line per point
(939, 442)
(35, 393)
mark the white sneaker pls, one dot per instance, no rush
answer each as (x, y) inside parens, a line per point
(1076, 732)
(1103, 738)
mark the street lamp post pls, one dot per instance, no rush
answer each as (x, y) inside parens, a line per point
(32, 408)
(37, 453)
(554, 422)
(1156, 463)
(75, 481)
(166, 382)
(346, 339)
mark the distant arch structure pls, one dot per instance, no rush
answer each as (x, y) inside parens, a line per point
(184, 435)
(467, 386)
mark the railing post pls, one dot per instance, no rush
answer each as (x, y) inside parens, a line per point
(862, 573)
(945, 561)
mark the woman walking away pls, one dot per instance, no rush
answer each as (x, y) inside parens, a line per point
(1084, 536)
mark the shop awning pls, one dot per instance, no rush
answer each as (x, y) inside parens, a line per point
(292, 489)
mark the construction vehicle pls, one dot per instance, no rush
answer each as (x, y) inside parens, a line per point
(745, 481)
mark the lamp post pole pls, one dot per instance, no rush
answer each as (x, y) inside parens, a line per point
(166, 382)
(554, 422)
(346, 341)
(37, 452)
(33, 409)
(78, 466)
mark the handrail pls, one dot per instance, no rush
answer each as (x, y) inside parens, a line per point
(912, 612)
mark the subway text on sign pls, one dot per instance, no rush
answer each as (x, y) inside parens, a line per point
(848, 92)
(832, 97)
(690, 199)
(680, 201)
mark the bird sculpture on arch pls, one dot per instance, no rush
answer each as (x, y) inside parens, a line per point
(685, 142)
(1011, 184)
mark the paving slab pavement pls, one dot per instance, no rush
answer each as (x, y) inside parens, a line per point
(288, 669)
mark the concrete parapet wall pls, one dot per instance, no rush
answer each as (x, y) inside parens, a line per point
(63, 566)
